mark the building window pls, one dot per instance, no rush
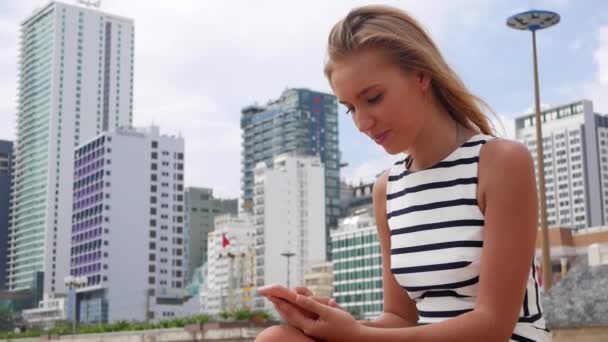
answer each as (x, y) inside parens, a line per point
(154, 144)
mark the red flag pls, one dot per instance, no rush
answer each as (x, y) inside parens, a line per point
(225, 241)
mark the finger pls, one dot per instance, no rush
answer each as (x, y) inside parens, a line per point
(332, 302)
(310, 305)
(308, 314)
(293, 315)
(321, 299)
(278, 308)
(304, 291)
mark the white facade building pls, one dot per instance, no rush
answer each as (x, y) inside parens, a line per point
(50, 311)
(75, 81)
(575, 142)
(229, 283)
(289, 216)
(127, 228)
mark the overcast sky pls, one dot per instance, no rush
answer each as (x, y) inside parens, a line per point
(197, 63)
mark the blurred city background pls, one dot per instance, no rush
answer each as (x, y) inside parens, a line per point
(161, 160)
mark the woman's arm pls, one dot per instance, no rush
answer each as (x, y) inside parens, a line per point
(508, 198)
(399, 308)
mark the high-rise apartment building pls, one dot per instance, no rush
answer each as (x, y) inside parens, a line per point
(75, 81)
(300, 121)
(289, 216)
(575, 142)
(127, 232)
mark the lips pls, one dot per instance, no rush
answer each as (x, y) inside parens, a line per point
(380, 138)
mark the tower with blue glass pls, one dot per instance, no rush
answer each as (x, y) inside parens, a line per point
(300, 121)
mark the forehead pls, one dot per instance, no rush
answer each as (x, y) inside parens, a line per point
(353, 73)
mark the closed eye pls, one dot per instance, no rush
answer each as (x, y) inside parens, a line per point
(376, 99)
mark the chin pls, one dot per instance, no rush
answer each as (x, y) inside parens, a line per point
(392, 150)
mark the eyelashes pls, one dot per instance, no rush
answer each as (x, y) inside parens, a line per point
(374, 100)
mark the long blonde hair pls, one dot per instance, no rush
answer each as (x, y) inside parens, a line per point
(412, 49)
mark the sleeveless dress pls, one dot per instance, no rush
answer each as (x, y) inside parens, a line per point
(436, 231)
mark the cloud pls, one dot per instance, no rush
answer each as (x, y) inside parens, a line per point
(197, 63)
(597, 88)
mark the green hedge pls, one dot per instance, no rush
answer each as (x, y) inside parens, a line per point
(65, 328)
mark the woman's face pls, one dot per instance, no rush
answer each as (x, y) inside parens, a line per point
(386, 103)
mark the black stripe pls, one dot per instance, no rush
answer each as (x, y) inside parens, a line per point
(446, 293)
(535, 287)
(430, 268)
(433, 185)
(435, 246)
(526, 310)
(443, 164)
(399, 176)
(530, 319)
(457, 285)
(520, 338)
(535, 327)
(400, 161)
(443, 314)
(437, 225)
(473, 143)
(431, 206)
(450, 163)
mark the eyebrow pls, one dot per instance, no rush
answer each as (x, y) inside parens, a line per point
(362, 92)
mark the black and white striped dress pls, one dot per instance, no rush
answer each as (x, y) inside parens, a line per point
(437, 237)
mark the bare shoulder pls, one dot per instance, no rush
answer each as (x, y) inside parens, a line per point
(379, 191)
(503, 153)
(503, 163)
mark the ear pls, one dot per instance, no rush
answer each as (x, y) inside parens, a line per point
(424, 80)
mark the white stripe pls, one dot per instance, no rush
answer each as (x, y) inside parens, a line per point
(461, 212)
(426, 237)
(439, 277)
(436, 257)
(434, 195)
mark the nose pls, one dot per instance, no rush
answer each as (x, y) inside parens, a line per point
(364, 121)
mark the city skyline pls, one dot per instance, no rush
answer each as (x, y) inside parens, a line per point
(198, 86)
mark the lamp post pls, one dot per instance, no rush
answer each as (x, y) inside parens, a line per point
(288, 255)
(72, 284)
(533, 21)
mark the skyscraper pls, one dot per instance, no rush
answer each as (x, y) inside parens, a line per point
(575, 142)
(289, 219)
(201, 210)
(127, 234)
(301, 121)
(6, 157)
(75, 81)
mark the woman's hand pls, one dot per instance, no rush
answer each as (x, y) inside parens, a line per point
(331, 323)
(277, 294)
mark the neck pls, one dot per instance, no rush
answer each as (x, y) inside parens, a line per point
(439, 137)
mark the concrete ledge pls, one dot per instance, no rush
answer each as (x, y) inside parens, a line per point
(216, 331)
(590, 334)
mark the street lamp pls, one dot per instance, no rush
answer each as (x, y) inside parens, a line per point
(288, 255)
(533, 21)
(72, 284)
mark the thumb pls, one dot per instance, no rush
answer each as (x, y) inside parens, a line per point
(312, 305)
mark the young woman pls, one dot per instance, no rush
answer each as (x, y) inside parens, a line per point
(457, 218)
